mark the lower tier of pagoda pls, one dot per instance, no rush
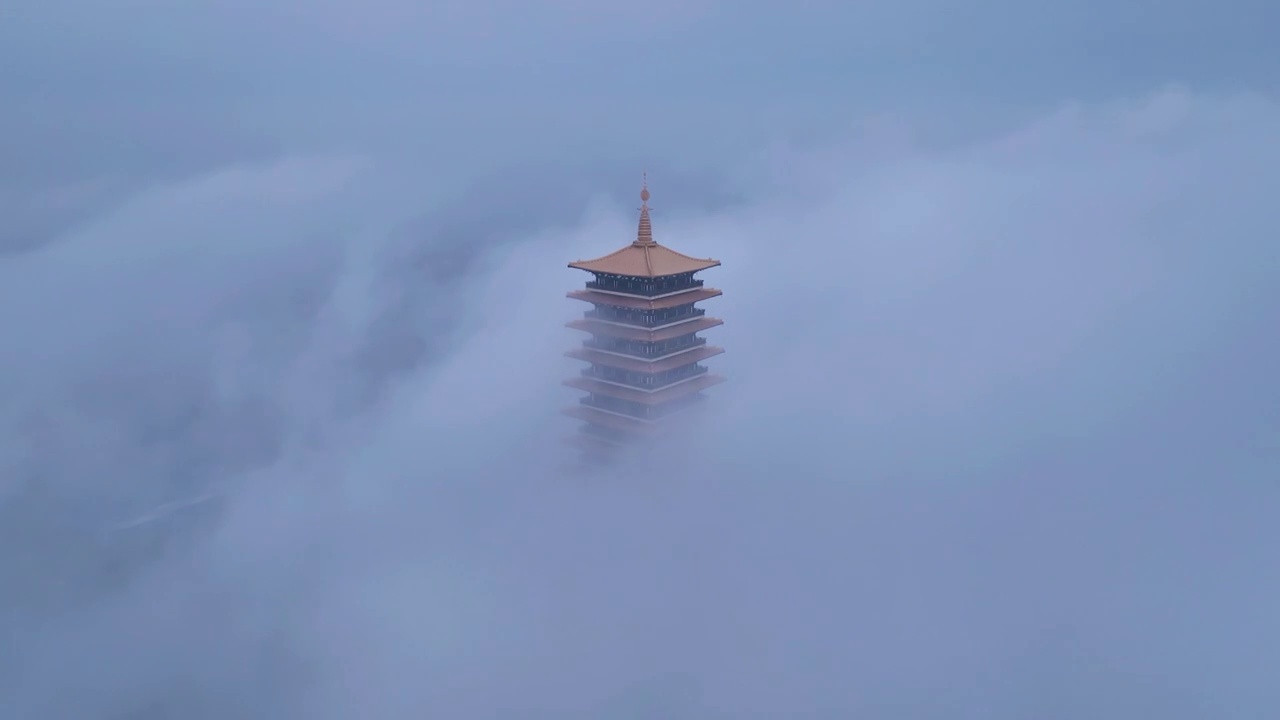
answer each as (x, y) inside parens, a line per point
(594, 447)
(607, 437)
(614, 421)
(639, 365)
(641, 411)
(635, 332)
(631, 424)
(595, 452)
(660, 396)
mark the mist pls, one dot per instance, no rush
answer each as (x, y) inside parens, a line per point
(279, 429)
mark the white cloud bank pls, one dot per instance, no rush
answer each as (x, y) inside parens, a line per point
(999, 442)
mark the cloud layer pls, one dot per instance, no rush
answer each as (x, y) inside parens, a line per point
(1000, 441)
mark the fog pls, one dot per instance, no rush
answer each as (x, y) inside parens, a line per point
(279, 429)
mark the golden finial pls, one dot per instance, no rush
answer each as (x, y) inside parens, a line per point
(644, 233)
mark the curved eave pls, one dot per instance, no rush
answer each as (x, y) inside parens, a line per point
(645, 260)
(604, 266)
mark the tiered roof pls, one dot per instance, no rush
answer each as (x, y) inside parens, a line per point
(645, 257)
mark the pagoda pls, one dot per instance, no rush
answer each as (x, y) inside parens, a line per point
(645, 357)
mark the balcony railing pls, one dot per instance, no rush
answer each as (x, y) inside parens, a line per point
(645, 289)
(633, 380)
(644, 320)
(642, 352)
(639, 411)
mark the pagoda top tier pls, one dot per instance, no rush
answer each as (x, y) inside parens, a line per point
(645, 257)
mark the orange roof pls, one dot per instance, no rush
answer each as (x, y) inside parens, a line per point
(649, 260)
(645, 257)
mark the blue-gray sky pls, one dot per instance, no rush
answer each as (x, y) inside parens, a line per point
(282, 293)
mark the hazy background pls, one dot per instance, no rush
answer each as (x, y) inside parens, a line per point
(282, 294)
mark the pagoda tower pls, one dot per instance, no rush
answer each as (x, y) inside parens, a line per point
(645, 370)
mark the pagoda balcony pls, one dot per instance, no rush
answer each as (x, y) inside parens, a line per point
(645, 320)
(643, 413)
(615, 421)
(656, 366)
(643, 289)
(636, 397)
(633, 431)
(637, 381)
(643, 353)
(644, 304)
(688, 326)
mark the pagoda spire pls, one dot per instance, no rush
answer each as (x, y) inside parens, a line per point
(644, 234)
